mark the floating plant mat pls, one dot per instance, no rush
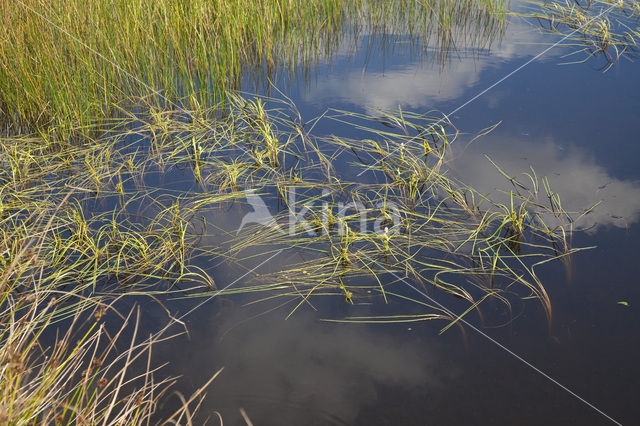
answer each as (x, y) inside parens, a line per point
(149, 208)
(605, 29)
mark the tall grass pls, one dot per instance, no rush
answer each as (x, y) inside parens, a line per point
(65, 62)
(60, 361)
(85, 217)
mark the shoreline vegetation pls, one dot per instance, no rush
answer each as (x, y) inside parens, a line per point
(86, 224)
(88, 220)
(63, 64)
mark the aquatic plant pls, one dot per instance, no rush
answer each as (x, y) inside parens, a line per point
(431, 229)
(63, 65)
(123, 149)
(606, 29)
(134, 207)
(429, 226)
(60, 360)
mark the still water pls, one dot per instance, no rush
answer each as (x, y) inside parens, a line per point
(572, 123)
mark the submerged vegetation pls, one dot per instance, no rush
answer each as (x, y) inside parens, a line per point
(107, 222)
(408, 221)
(124, 151)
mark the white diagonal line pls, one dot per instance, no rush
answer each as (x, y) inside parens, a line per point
(519, 68)
(495, 342)
(124, 71)
(154, 91)
(217, 293)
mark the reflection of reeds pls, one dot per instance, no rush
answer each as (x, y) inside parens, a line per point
(69, 62)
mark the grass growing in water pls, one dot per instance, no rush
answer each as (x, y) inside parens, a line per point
(605, 29)
(86, 219)
(431, 229)
(62, 63)
(87, 372)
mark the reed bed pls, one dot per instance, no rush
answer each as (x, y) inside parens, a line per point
(69, 63)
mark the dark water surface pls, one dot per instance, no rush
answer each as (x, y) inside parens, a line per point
(572, 123)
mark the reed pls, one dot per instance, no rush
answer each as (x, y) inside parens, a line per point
(60, 361)
(65, 64)
(446, 233)
(85, 218)
(604, 29)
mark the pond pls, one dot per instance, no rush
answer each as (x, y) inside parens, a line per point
(523, 112)
(572, 123)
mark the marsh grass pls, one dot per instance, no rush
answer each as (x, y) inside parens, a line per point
(59, 361)
(135, 206)
(116, 229)
(604, 29)
(66, 64)
(109, 191)
(86, 375)
(80, 227)
(448, 236)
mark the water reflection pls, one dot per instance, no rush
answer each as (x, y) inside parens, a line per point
(572, 171)
(415, 84)
(302, 371)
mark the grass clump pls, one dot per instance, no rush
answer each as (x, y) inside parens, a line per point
(62, 360)
(605, 29)
(65, 64)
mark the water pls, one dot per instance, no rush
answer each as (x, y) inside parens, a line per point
(571, 123)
